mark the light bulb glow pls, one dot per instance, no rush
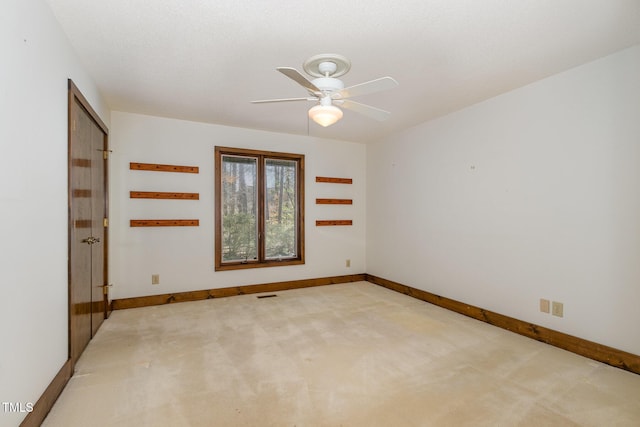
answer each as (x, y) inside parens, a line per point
(325, 115)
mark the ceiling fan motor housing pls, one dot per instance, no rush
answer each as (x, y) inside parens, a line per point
(328, 84)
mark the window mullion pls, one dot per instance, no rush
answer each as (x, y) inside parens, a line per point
(261, 184)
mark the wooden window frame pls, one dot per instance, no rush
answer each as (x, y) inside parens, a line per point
(262, 261)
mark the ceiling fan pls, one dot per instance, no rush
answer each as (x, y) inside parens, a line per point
(329, 91)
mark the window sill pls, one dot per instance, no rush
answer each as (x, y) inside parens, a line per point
(245, 265)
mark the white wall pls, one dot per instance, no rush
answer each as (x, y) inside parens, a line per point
(183, 256)
(36, 61)
(532, 194)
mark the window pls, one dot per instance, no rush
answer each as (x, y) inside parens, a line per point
(259, 209)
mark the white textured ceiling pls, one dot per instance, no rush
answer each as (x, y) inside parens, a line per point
(205, 60)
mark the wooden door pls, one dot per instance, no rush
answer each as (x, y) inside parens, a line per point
(98, 215)
(88, 300)
(80, 258)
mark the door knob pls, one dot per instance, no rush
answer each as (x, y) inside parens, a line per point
(91, 240)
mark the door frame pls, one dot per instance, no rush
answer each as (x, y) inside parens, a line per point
(74, 95)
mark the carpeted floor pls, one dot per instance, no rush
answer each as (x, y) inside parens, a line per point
(341, 355)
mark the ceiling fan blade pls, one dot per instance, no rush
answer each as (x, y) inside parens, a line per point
(297, 77)
(264, 101)
(377, 85)
(365, 110)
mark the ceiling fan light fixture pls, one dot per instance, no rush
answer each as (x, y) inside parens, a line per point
(325, 115)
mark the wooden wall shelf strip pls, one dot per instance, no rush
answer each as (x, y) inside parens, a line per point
(164, 223)
(81, 193)
(81, 163)
(163, 195)
(334, 202)
(163, 168)
(334, 180)
(323, 222)
(83, 223)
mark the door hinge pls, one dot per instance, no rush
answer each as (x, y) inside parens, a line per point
(105, 288)
(105, 222)
(73, 125)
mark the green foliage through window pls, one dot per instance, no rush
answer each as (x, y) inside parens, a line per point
(239, 207)
(280, 209)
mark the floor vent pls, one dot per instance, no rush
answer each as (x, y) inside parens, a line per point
(267, 296)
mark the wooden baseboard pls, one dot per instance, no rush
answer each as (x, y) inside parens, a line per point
(124, 303)
(49, 397)
(601, 353)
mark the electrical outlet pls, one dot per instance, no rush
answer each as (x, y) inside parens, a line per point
(155, 279)
(348, 263)
(557, 309)
(544, 305)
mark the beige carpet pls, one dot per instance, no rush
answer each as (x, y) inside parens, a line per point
(340, 355)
